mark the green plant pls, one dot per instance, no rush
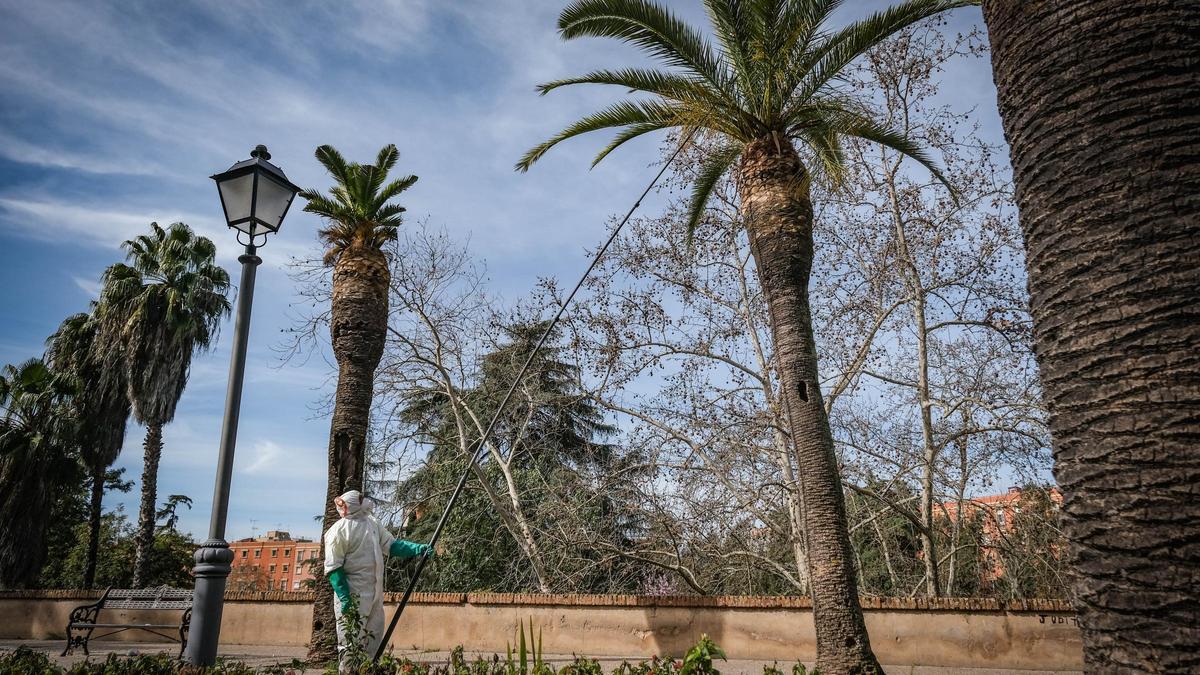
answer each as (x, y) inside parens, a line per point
(146, 664)
(797, 669)
(355, 656)
(699, 659)
(582, 666)
(528, 658)
(25, 661)
(657, 665)
(289, 668)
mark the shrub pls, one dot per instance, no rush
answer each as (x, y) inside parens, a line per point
(25, 661)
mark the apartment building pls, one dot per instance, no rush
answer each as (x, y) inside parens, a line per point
(273, 562)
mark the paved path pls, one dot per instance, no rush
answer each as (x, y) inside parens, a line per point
(266, 655)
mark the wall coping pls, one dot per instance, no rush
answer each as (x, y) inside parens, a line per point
(581, 600)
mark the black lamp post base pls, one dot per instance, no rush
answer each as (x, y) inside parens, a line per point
(213, 563)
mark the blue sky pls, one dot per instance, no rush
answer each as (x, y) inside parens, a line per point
(114, 114)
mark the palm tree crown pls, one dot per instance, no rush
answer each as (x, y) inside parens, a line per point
(75, 351)
(357, 209)
(775, 76)
(36, 428)
(167, 302)
(31, 396)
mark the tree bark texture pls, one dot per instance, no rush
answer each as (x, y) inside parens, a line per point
(144, 540)
(778, 214)
(358, 328)
(1100, 102)
(94, 515)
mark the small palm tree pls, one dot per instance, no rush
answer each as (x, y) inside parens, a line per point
(360, 219)
(36, 429)
(76, 352)
(769, 102)
(155, 312)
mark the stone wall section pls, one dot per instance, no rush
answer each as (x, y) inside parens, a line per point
(941, 632)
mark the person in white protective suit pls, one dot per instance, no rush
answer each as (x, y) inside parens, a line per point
(356, 548)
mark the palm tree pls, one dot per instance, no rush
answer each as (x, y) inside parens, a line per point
(75, 351)
(1099, 102)
(360, 219)
(155, 312)
(771, 86)
(35, 460)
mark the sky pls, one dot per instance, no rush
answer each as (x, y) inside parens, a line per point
(114, 115)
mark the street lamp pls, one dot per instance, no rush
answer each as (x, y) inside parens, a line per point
(255, 196)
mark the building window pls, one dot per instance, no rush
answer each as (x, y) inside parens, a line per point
(299, 555)
(274, 553)
(285, 569)
(283, 585)
(244, 552)
(258, 553)
(295, 585)
(272, 569)
(287, 552)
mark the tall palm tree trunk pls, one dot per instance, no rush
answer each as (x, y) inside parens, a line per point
(778, 212)
(94, 515)
(358, 326)
(152, 447)
(1100, 102)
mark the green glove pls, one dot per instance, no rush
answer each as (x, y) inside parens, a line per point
(407, 549)
(341, 587)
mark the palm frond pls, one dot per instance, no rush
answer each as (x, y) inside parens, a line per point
(846, 122)
(387, 157)
(334, 163)
(391, 191)
(620, 114)
(728, 18)
(682, 88)
(648, 26)
(829, 161)
(715, 165)
(627, 134)
(831, 58)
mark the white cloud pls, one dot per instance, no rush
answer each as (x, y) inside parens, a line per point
(45, 219)
(270, 459)
(89, 286)
(266, 458)
(62, 222)
(25, 152)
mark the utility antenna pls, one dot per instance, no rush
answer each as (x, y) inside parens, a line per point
(254, 528)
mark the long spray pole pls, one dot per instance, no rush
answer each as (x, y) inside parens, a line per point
(482, 442)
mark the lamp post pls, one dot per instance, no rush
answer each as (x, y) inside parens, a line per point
(255, 195)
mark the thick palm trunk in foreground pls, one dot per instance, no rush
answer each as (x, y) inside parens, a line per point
(774, 192)
(144, 539)
(358, 326)
(1101, 107)
(94, 515)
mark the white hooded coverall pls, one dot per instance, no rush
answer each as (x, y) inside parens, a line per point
(358, 543)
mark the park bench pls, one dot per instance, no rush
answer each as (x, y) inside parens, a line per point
(86, 618)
